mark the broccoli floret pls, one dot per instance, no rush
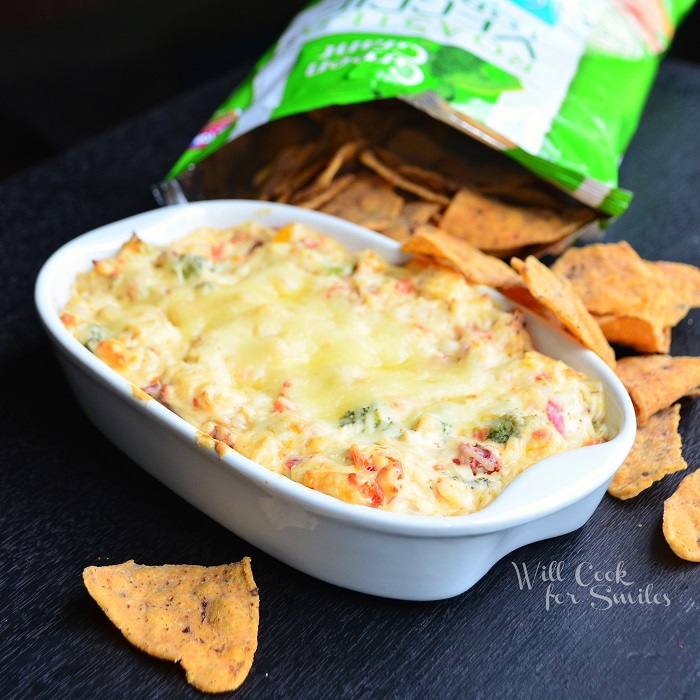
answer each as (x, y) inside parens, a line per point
(356, 416)
(92, 335)
(341, 270)
(505, 427)
(188, 265)
(369, 419)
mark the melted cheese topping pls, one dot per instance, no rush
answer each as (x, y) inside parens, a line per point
(397, 387)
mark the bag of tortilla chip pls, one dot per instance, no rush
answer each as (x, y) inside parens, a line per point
(556, 85)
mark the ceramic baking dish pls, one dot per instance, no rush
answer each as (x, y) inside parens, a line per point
(399, 556)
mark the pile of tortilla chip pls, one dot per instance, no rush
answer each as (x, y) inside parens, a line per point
(392, 168)
(603, 294)
(204, 617)
(635, 302)
(655, 384)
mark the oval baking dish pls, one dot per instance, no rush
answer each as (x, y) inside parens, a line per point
(408, 557)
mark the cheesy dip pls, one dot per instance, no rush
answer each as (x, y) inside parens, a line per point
(400, 387)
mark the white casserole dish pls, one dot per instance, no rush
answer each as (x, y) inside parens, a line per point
(398, 556)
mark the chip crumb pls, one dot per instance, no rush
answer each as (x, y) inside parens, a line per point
(204, 617)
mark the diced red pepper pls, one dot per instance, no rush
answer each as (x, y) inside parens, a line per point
(556, 416)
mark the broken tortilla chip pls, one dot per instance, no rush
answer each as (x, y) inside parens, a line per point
(654, 382)
(656, 452)
(477, 267)
(557, 295)
(204, 617)
(681, 520)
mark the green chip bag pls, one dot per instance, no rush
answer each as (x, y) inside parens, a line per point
(557, 86)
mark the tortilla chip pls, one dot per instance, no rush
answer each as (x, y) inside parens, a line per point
(343, 155)
(428, 178)
(557, 294)
(323, 182)
(370, 159)
(641, 334)
(204, 617)
(613, 280)
(496, 226)
(654, 382)
(602, 274)
(413, 144)
(398, 231)
(316, 198)
(278, 180)
(476, 266)
(412, 215)
(418, 213)
(369, 201)
(683, 279)
(681, 521)
(656, 452)
(530, 192)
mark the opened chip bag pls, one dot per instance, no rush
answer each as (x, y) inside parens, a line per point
(501, 122)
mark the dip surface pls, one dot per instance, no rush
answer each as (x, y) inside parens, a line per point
(397, 387)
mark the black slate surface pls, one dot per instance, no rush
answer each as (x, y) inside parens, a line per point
(69, 499)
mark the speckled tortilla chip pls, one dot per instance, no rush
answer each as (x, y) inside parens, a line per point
(413, 214)
(681, 521)
(612, 280)
(428, 178)
(322, 188)
(656, 452)
(370, 159)
(654, 382)
(557, 294)
(369, 201)
(322, 195)
(281, 178)
(496, 226)
(684, 279)
(204, 617)
(641, 334)
(476, 266)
